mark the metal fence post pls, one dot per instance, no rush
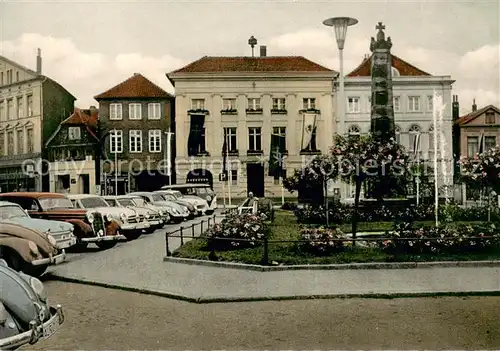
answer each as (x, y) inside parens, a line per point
(192, 230)
(201, 227)
(166, 245)
(182, 237)
(208, 221)
(265, 256)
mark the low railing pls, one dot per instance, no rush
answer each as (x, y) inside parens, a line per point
(188, 231)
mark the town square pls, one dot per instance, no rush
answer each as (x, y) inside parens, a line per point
(249, 175)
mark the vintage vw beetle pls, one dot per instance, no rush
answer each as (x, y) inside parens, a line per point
(28, 250)
(61, 231)
(25, 314)
(89, 226)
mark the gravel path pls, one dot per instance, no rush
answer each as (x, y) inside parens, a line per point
(99, 318)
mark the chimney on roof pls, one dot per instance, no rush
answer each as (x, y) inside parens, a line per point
(39, 61)
(93, 111)
(455, 108)
(263, 51)
(474, 106)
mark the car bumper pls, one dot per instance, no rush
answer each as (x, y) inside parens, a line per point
(155, 223)
(143, 225)
(37, 332)
(52, 260)
(103, 238)
(129, 226)
(65, 243)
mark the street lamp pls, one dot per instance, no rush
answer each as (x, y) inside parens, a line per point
(340, 25)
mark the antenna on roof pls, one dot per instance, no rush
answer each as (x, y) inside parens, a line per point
(252, 42)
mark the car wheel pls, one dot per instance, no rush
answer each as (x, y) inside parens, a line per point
(209, 212)
(104, 245)
(80, 245)
(132, 235)
(150, 230)
(34, 271)
(13, 259)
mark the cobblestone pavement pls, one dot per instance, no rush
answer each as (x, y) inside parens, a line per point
(99, 318)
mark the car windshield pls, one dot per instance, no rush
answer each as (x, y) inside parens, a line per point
(157, 197)
(174, 194)
(126, 202)
(52, 203)
(111, 202)
(138, 201)
(169, 197)
(93, 202)
(8, 212)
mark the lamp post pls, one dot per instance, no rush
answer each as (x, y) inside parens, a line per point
(168, 154)
(340, 25)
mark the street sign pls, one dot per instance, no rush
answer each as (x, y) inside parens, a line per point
(223, 177)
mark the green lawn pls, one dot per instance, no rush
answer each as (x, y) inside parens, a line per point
(285, 227)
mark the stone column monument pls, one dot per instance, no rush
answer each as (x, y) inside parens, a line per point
(382, 110)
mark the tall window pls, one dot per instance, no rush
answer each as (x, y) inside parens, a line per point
(1, 78)
(74, 133)
(197, 104)
(397, 132)
(2, 111)
(135, 141)
(254, 139)
(116, 142)
(9, 76)
(472, 146)
(281, 131)
(154, 111)
(396, 103)
(309, 103)
(115, 111)
(134, 111)
(489, 142)
(430, 103)
(30, 105)
(20, 141)
(155, 140)
(2, 144)
(229, 104)
(17, 76)
(489, 118)
(10, 142)
(20, 112)
(414, 131)
(414, 103)
(234, 177)
(254, 104)
(30, 141)
(10, 108)
(230, 137)
(353, 104)
(279, 104)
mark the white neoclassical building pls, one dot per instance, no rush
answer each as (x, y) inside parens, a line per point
(413, 91)
(250, 102)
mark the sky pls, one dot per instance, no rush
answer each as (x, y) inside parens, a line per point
(90, 46)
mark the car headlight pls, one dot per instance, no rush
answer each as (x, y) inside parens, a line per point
(161, 213)
(186, 209)
(37, 286)
(33, 248)
(209, 198)
(123, 217)
(51, 240)
(148, 216)
(90, 217)
(108, 217)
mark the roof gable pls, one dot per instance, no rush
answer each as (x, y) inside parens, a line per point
(219, 64)
(6, 64)
(82, 118)
(136, 86)
(466, 119)
(404, 68)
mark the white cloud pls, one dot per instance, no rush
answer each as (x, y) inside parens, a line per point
(86, 74)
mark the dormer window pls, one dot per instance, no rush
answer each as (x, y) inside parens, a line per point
(489, 118)
(74, 133)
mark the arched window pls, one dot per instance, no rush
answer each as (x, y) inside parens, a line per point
(354, 130)
(394, 72)
(397, 131)
(414, 132)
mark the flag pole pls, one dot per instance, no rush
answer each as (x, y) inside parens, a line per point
(116, 162)
(230, 173)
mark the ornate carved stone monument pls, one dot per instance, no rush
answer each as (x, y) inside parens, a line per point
(382, 110)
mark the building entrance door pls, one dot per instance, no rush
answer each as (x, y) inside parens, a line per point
(255, 179)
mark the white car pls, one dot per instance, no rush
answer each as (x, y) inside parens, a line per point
(201, 190)
(141, 202)
(178, 213)
(200, 204)
(128, 219)
(151, 217)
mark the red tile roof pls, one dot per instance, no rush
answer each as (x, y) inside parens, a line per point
(86, 118)
(404, 68)
(474, 114)
(209, 64)
(136, 86)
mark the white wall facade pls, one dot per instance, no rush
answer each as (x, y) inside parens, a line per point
(75, 170)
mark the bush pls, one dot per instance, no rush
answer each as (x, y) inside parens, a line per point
(446, 239)
(265, 206)
(247, 226)
(320, 240)
(289, 206)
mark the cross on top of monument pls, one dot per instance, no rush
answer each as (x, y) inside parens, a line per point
(380, 34)
(380, 26)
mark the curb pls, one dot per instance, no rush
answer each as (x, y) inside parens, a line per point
(228, 299)
(346, 266)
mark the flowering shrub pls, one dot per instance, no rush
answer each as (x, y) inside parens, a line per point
(320, 241)
(249, 227)
(482, 169)
(446, 239)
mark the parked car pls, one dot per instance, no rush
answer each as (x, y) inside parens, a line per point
(62, 232)
(201, 190)
(162, 212)
(151, 217)
(130, 222)
(25, 315)
(169, 197)
(201, 205)
(28, 250)
(89, 226)
(177, 212)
